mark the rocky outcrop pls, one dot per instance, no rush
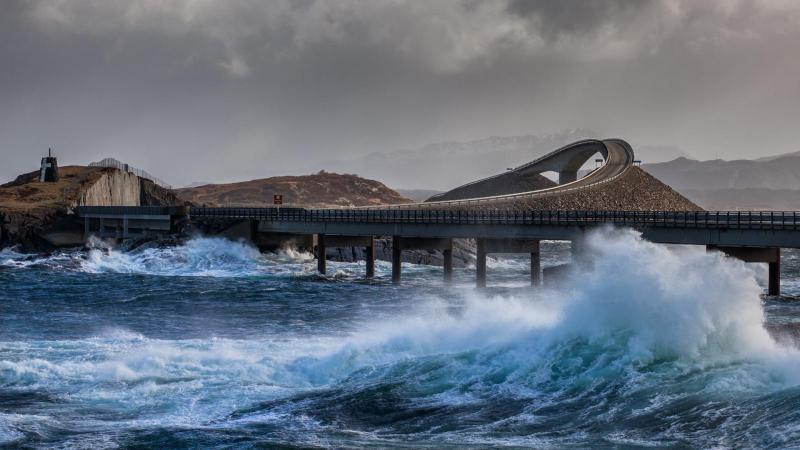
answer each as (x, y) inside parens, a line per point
(463, 253)
(151, 194)
(38, 216)
(112, 188)
(118, 188)
(322, 189)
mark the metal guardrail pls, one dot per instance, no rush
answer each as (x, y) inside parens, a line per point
(759, 220)
(125, 167)
(772, 220)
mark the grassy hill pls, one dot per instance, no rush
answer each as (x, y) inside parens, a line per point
(323, 189)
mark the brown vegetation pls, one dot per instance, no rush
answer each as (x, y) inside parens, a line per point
(26, 193)
(31, 210)
(323, 189)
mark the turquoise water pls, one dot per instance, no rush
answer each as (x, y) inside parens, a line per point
(212, 344)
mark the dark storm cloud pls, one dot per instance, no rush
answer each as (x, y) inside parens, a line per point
(566, 17)
(248, 88)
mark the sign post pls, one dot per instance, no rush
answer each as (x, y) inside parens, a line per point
(277, 199)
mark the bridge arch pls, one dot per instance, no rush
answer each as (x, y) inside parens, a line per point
(566, 161)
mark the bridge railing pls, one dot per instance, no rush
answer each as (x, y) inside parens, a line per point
(780, 220)
(772, 220)
(131, 210)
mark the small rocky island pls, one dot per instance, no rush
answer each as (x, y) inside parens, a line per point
(37, 215)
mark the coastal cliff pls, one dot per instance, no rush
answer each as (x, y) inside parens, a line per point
(38, 216)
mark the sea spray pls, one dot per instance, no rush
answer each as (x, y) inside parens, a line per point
(215, 257)
(661, 302)
(651, 345)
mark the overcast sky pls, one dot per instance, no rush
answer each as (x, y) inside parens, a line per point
(225, 90)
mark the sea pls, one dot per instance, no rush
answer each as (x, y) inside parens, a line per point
(212, 344)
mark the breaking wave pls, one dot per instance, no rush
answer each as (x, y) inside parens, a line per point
(643, 345)
(214, 257)
(202, 257)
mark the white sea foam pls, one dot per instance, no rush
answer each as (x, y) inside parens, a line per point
(641, 316)
(641, 302)
(214, 257)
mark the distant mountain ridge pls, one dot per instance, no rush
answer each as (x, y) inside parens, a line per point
(445, 165)
(776, 172)
(768, 183)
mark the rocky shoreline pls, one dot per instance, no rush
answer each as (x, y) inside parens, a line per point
(37, 216)
(463, 253)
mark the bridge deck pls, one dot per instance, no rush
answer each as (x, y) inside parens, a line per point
(733, 228)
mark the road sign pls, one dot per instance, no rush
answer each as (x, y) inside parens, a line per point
(277, 199)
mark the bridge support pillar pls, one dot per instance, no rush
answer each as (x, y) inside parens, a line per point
(536, 267)
(400, 243)
(567, 176)
(486, 246)
(774, 287)
(771, 256)
(447, 263)
(322, 267)
(370, 255)
(480, 264)
(397, 253)
(325, 241)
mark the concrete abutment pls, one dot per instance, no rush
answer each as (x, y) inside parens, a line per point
(769, 255)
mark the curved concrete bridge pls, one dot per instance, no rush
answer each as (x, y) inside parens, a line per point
(432, 225)
(566, 161)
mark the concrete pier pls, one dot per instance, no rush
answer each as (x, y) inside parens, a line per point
(370, 255)
(124, 226)
(412, 243)
(774, 287)
(567, 176)
(480, 264)
(322, 266)
(397, 253)
(447, 263)
(325, 241)
(771, 256)
(487, 246)
(536, 268)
